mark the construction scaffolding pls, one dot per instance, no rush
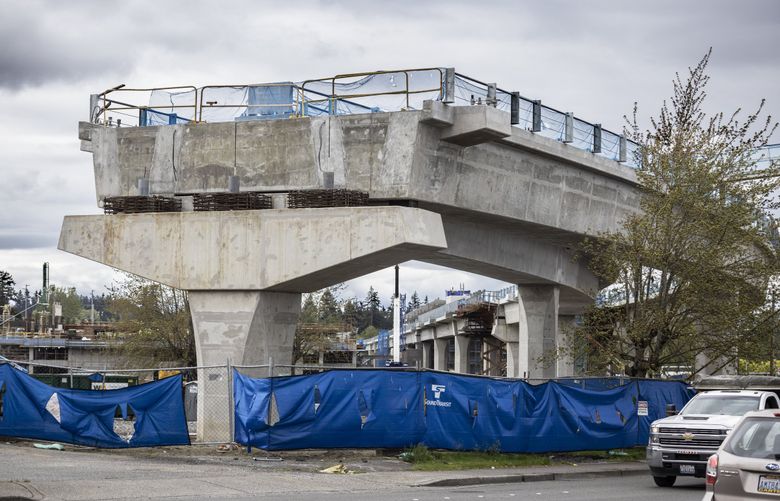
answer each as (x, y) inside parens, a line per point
(478, 320)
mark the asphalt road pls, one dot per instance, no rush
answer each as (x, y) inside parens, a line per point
(633, 488)
(30, 473)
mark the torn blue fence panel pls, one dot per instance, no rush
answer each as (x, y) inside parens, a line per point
(329, 410)
(32, 409)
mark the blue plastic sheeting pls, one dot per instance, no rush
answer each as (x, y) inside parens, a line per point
(386, 408)
(513, 416)
(326, 410)
(31, 409)
(657, 394)
(269, 102)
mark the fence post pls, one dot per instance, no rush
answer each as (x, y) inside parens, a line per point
(449, 86)
(231, 402)
(270, 366)
(597, 138)
(70, 376)
(514, 113)
(622, 153)
(536, 116)
(568, 134)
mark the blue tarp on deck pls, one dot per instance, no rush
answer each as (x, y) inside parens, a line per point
(32, 409)
(391, 408)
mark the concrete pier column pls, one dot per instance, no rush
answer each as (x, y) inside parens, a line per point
(538, 328)
(247, 327)
(427, 347)
(513, 359)
(440, 354)
(462, 354)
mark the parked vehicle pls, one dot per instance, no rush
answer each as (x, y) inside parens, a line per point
(682, 444)
(747, 464)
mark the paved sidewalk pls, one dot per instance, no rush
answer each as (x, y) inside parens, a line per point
(79, 474)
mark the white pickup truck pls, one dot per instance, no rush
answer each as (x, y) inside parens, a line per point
(681, 444)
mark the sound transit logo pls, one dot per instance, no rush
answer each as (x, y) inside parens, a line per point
(437, 390)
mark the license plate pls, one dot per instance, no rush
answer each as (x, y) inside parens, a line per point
(769, 484)
(687, 469)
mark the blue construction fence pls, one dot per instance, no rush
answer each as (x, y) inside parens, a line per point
(146, 415)
(396, 408)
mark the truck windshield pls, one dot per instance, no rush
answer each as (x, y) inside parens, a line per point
(727, 405)
(756, 438)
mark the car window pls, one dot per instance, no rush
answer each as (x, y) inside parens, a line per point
(729, 405)
(771, 403)
(755, 438)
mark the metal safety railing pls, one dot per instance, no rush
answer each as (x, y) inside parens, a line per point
(533, 116)
(495, 297)
(367, 92)
(216, 97)
(115, 100)
(350, 81)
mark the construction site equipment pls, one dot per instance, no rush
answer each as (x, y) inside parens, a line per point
(478, 324)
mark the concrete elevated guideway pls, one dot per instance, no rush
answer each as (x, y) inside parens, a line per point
(452, 185)
(481, 333)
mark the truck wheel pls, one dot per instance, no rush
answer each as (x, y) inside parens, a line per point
(664, 481)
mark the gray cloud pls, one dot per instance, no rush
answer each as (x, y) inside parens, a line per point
(42, 42)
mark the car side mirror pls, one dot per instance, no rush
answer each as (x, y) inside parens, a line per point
(671, 410)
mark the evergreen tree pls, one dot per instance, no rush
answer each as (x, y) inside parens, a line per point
(351, 314)
(309, 311)
(329, 311)
(373, 305)
(6, 287)
(414, 302)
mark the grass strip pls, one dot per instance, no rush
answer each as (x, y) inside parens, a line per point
(424, 459)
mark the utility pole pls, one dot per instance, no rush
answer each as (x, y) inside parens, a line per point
(396, 321)
(772, 337)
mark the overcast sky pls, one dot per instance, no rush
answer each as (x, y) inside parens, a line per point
(594, 58)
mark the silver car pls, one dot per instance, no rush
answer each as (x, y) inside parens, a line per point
(747, 465)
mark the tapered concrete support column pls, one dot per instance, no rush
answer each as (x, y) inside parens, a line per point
(245, 327)
(462, 354)
(538, 328)
(513, 360)
(426, 354)
(440, 354)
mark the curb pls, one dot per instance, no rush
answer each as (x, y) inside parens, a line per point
(533, 477)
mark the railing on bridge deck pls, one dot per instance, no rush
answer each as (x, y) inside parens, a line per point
(494, 297)
(369, 92)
